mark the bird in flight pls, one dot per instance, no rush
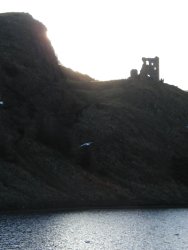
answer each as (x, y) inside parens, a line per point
(86, 144)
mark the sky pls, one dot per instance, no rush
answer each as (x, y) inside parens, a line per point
(107, 38)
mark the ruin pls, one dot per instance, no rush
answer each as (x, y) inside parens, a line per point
(134, 73)
(149, 70)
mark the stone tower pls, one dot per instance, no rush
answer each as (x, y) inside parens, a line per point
(150, 68)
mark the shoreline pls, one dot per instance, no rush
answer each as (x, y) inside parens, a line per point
(89, 208)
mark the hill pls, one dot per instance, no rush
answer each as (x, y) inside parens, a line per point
(140, 136)
(138, 129)
(74, 75)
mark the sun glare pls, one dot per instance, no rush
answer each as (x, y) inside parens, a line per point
(107, 38)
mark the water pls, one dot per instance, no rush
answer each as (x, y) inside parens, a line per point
(100, 229)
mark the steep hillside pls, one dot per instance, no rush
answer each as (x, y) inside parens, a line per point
(140, 136)
(28, 73)
(36, 116)
(75, 76)
(138, 131)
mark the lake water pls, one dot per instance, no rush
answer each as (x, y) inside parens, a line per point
(138, 229)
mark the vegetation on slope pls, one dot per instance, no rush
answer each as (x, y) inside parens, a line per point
(139, 130)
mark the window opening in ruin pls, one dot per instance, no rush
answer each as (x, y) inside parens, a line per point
(155, 68)
(148, 75)
(147, 62)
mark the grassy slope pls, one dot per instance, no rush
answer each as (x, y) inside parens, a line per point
(139, 134)
(35, 122)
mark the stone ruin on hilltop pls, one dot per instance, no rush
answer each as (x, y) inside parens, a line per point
(149, 70)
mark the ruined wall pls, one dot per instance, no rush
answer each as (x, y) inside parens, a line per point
(150, 68)
(134, 73)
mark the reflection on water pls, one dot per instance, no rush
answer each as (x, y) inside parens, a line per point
(100, 229)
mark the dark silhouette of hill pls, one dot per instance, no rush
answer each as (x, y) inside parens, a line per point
(138, 129)
(74, 75)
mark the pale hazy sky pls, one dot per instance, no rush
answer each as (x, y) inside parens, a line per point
(107, 38)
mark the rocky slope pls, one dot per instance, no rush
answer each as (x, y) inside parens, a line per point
(138, 129)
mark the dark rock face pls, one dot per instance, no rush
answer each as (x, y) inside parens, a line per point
(29, 73)
(36, 118)
(139, 133)
(23, 39)
(138, 129)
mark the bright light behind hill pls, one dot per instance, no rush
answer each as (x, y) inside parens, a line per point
(107, 38)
